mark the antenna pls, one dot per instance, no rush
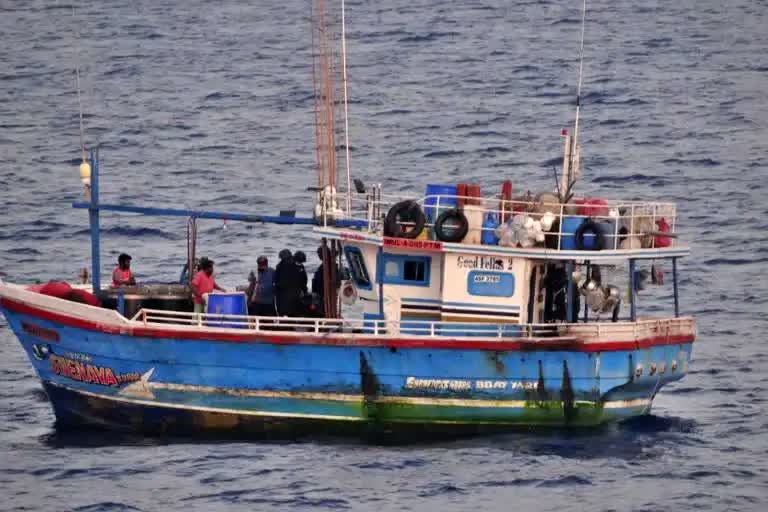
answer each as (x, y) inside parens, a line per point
(85, 167)
(77, 79)
(571, 163)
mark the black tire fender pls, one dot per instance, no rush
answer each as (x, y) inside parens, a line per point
(404, 211)
(592, 227)
(456, 235)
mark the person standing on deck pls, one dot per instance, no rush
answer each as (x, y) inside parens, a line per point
(300, 259)
(261, 292)
(304, 296)
(318, 278)
(203, 283)
(288, 285)
(122, 275)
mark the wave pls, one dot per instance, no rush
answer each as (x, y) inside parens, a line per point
(131, 232)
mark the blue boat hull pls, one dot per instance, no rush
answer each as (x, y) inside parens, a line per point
(264, 384)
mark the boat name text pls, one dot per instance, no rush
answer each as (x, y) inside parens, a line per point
(468, 385)
(90, 373)
(483, 263)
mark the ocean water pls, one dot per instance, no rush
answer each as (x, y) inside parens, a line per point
(209, 104)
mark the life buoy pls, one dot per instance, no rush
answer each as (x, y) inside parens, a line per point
(405, 212)
(592, 227)
(453, 234)
(348, 293)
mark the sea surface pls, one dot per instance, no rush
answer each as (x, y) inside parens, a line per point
(209, 105)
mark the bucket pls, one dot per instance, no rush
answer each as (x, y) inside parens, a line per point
(226, 304)
(446, 194)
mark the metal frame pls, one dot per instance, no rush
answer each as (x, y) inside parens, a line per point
(95, 207)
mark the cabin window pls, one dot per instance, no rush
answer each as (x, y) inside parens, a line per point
(406, 270)
(357, 267)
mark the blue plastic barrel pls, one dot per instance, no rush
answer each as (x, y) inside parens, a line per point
(568, 227)
(226, 304)
(447, 195)
(608, 229)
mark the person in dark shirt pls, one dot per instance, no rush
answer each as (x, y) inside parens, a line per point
(300, 259)
(289, 284)
(318, 280)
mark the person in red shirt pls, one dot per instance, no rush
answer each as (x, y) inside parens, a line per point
(122, 275)
(202, 283)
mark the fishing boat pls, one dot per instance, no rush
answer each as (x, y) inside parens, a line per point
(446, 311)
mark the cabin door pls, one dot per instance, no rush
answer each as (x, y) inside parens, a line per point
(536, 293)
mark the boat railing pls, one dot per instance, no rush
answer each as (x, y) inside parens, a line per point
(621, 224)
(431, 329)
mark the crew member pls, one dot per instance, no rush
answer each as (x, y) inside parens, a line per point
(289, 285)
(300, 259)
(261, 292)
(318, 279)
(122, 275)
(203, 283)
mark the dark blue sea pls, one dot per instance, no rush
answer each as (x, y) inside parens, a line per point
(209, 105)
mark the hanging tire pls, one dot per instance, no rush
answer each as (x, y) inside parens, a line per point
(405, 219)
(593, 228)
(451, 234)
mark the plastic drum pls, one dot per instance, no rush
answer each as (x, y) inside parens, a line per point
(226, 304)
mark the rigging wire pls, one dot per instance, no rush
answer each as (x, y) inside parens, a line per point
(346, 108)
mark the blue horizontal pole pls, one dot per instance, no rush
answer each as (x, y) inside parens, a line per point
(204, 214)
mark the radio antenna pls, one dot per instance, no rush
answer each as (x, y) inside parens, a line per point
(574, 158)
(77, 80)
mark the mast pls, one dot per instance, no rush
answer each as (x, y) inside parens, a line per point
(346, 107)
(323, 67)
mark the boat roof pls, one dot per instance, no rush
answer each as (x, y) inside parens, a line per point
(540, 253)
